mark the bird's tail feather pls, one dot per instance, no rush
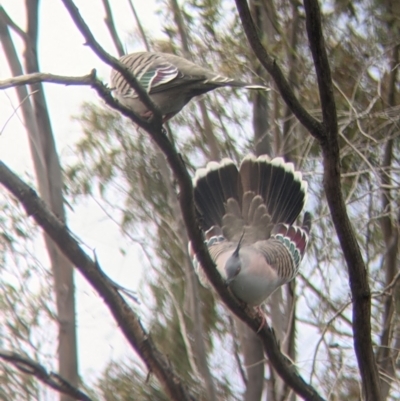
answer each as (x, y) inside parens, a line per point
(281, 187)
(220, 80)
(255, 198)
(213, 186)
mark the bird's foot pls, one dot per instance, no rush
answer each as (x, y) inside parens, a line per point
(147, 115)
(256, 312)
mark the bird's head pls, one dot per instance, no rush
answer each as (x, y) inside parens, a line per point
(233, 264)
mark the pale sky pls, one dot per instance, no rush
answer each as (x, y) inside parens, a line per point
(62, 52)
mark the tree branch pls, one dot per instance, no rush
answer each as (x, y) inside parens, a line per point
(321, 64)
(36, 77)
(310, 123)
(52, 379)
(109, 21)
(327, 134)
(123, 314)
(113, 62)
(139, 25)
(358, 277)
(12, 24)
(186, 203)
(386, 355)
(89, 80)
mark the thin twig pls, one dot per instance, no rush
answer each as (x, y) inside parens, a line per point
(236, 350)
(109, 20)
(139, 25)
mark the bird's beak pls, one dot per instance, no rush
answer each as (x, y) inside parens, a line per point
(236, 252)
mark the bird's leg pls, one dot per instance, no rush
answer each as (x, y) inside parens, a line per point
(255, 311)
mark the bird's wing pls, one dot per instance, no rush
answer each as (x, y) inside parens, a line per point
(156, 77)
(218, 248)
(284, 250)
(153, 72)
(164, 71)
(160, 72)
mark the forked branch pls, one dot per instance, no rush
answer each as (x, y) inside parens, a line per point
(327, 135)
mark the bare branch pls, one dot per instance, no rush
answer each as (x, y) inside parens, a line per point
(12, 24)
(324, 331)
(139, 25)
(44, 77)
(113, 62)
(236, 350)
(123, 314)
(325, 299)
(327, 134)
(52, 379)
(89, 80)
(109, 20)
(358, 277)
(310, 123)
(321, 64)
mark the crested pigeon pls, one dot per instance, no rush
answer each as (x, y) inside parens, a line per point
(171, 82)
(247, 216)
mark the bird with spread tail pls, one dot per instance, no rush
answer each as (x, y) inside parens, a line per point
(171, 82)
(248, 216)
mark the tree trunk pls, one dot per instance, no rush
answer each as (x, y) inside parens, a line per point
(49, 178)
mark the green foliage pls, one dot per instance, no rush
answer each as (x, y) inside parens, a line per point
(120, 384)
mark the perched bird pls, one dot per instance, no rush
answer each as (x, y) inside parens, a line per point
(170, 81)
(247, 216)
